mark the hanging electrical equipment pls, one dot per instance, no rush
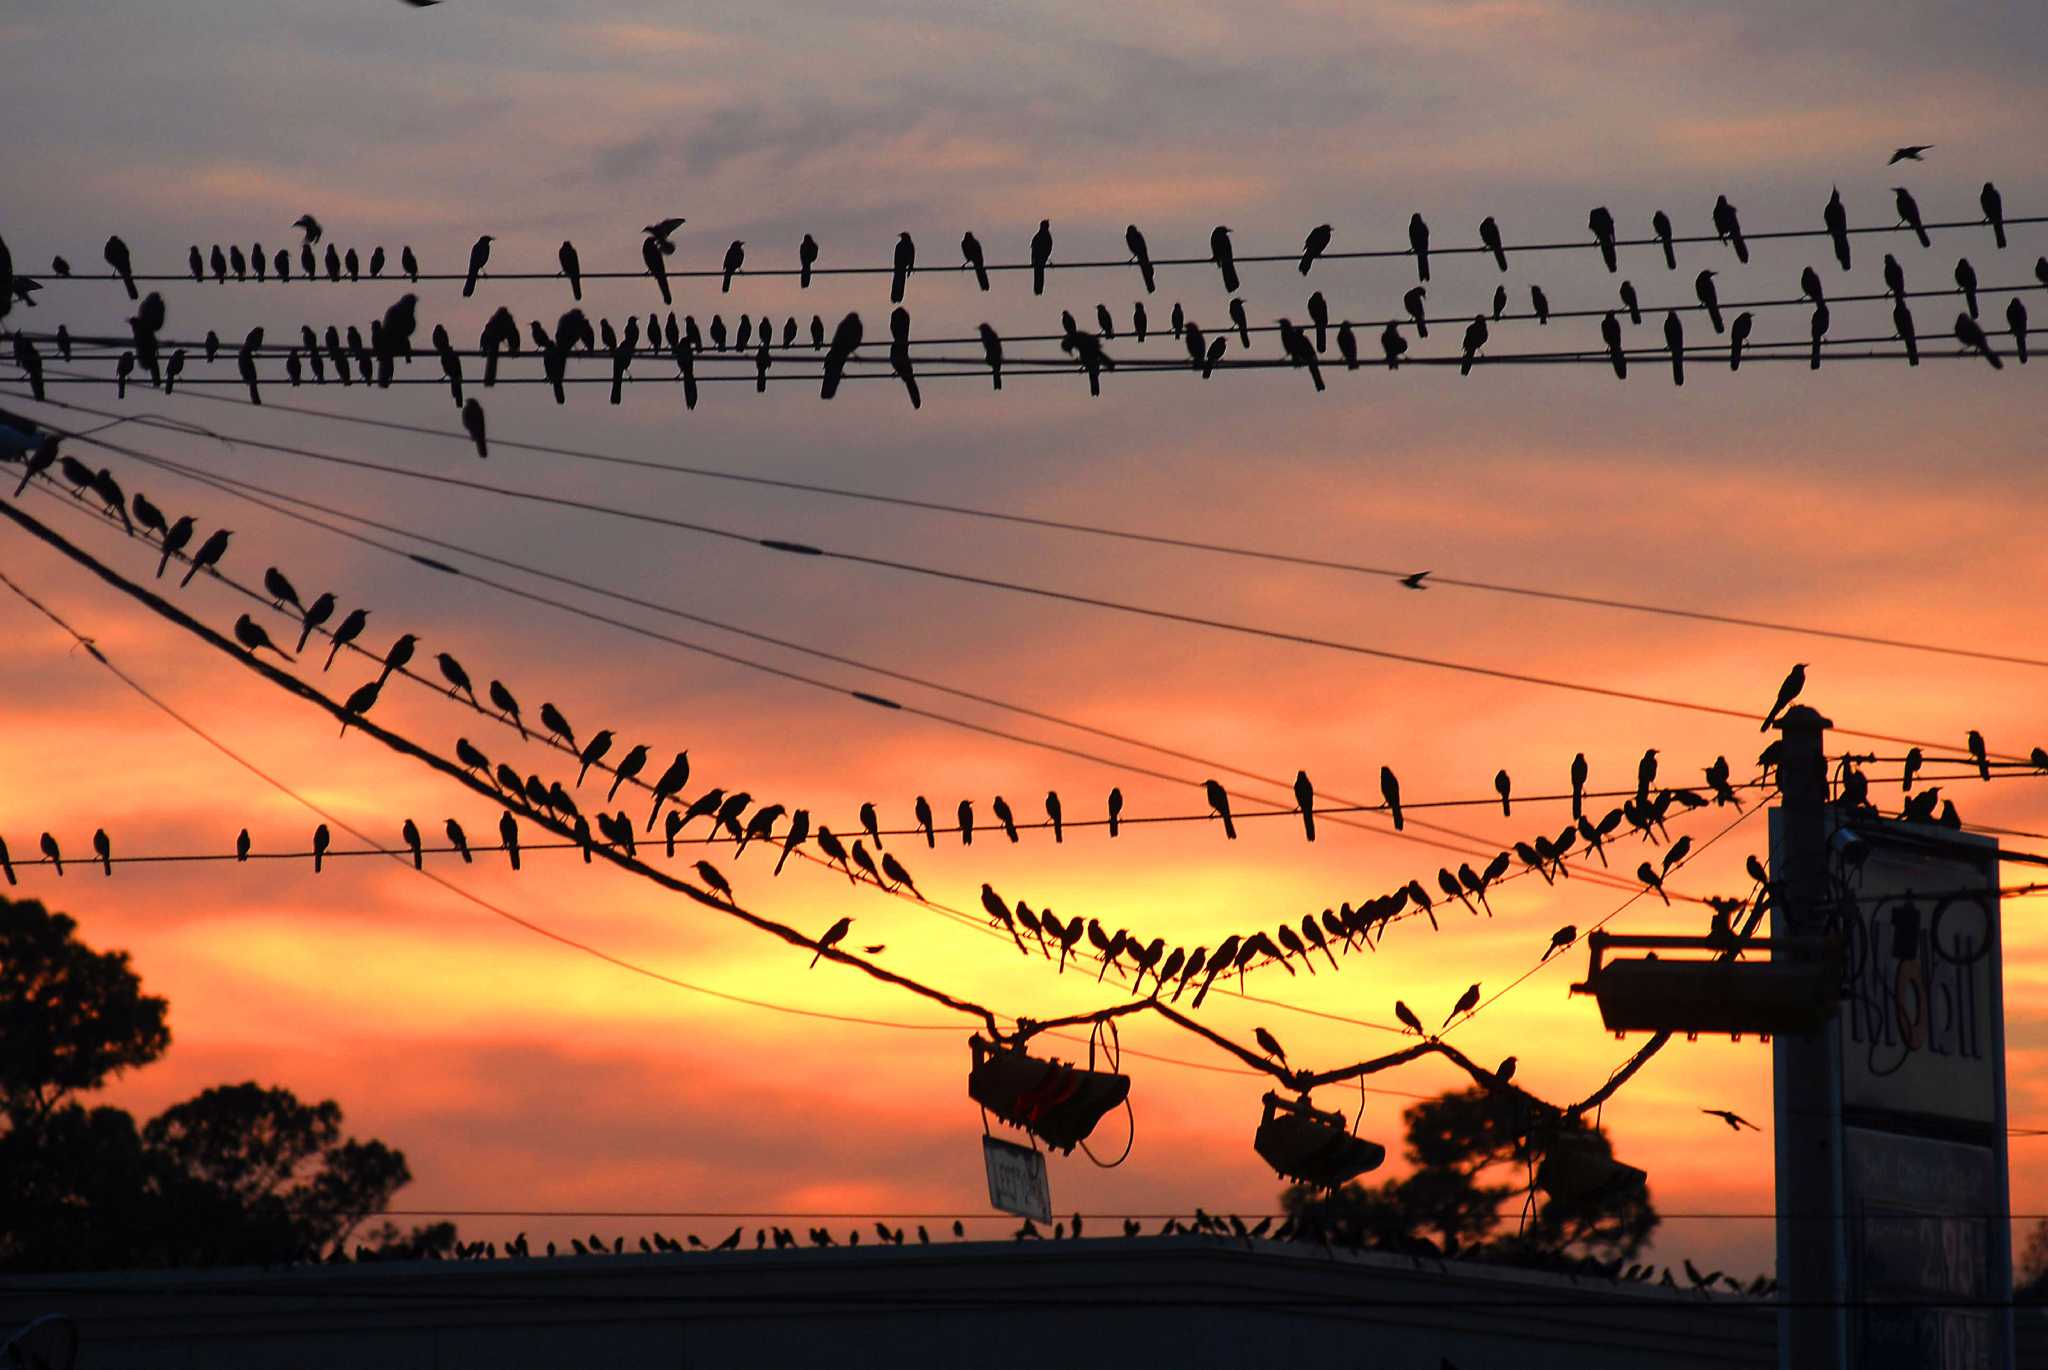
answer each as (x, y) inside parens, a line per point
(1060, 1104)
(1796, 991)
(1304, 1143)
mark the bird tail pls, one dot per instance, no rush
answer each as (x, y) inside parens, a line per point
(162, 562)
(1229, 827)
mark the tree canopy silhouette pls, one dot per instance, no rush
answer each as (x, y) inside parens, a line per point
(1475, 1152)
(238, 1174)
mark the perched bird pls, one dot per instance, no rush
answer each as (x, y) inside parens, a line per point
(971, 255)
(479, 255)
(473, 424)
(1560, 940)
(209, 554)
(1116, 810)
(1674, 341)
(807, 257)
(1580, 771)
(964, 817)
(1269, 1044)
(1837, 220)
(1305, 800)
(2016, 320)
(1418, 243)
(593, 752)
(1601, 221)
(1317, 243)
(992, 352)
(1005, 817)
(508, 834)
(1966, 280)
(846, 339)
(1973, 338)
(1219, 802)
(116, 254)
(708, 873)
(1135, 241)
(1660, 224)
(1994, 212)
(799, 829)
(551, 718)
(1629, 302)
(1975, 743)
(1736, 1122)
(1728, 228)
(251, 635)
(1703, 287)
(1475, 338)
(905, 262)
(1299, 351)
(399, 655)
(1504, 1073)
(321, 839)
(1504, 787)
(174, 539)
(1220, 252)
(1649, 875)
(1489, 236)
(502, 700)
(1347, 345)
(1738, 334)
(923, 810)
(1392, 344)
(359, 702)
(735, 257)
(1610, 333)
(1467, 1002)
(1540, 303)
(1390, 791)
(668, 785)
(630, 765)
(1408, 1018)
(1041, 255)
(1500, 302)
(1909, 214)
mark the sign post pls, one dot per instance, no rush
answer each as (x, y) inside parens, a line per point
(1894, 1234)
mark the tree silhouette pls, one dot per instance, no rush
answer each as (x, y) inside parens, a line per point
(1474, 1153)
(238, 1174)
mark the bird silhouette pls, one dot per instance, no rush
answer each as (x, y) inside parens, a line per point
(1489, 235)
(399, 655)
(1728, 228)
(479, 254)
(1041, 255)
(1975, 743)
(1703, 287)
(630, 765)
(1837, 220)
(1135, 241)
(1467, 1002)
(846, 339)
(360, 701)
(1219, 802)
(1475, 338)
(1104, 324)
(1610, 333)
(1540, 303)
(1966, 280)
(1973, 338)
(321, 839)
(1560, 940)
(1500, 302)
(1994, 212)
(1116, 810)
(894, 871)
(1909, 214)
(1313, 246)
(1269, 1044)
(551, 718)
(116, 254)
(708, 873)
(1390, 791)
(1660, 225)
(905, 262)
(251, 635)
(1299, 351)
(1220, 253)
(1736, 1122)
(1504, 787)
(473, 423)
(460, 841)
(1003, 815)
(1408, 1018)
(1413, 302)
(508, 835)
(1738, 334)
(1910, 153)
(1305, 801)
(866, 863)
(1649, 875)
(2016, 320)
(1418, 243)
(1674, 340)
(999, 912)
(1347, 346)
(1237, 318)
(899, 354)
(1629, 302)
(1601, 221)
(209, 554)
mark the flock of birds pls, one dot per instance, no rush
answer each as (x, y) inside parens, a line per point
(390, 338)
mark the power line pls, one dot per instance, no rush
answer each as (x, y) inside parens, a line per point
(1129, 535)
(801, 348)
(1100, 264)
(1022, 588)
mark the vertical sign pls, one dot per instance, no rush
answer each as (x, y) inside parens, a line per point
(1920, 1097)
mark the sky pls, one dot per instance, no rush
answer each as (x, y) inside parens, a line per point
(520, 1074)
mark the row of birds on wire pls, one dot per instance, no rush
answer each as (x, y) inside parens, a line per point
(658, 246)
(1306, 1228)
(1302, 346)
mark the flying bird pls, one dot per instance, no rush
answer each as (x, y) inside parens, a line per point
(1736, 1122)
(1910, 153)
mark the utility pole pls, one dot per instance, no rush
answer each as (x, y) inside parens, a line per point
(1806, 1080)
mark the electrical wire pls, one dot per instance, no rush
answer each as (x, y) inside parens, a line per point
(1128, 535)
(1102, 264)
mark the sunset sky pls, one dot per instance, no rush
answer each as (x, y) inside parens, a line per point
(517, 1073)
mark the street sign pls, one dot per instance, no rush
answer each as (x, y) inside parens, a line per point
(1911, 1094)
(1016, 1179)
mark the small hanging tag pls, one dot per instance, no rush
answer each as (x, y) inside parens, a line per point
(1016, 1179)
